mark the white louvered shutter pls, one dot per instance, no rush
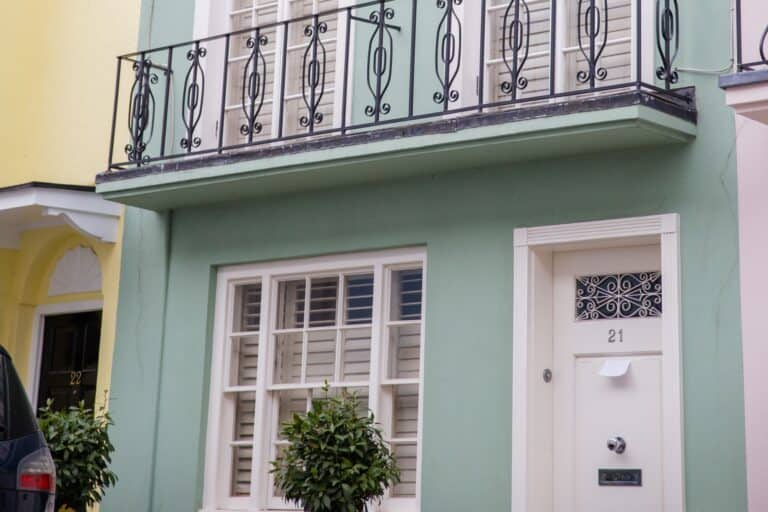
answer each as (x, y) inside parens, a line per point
(323, 335)
(403, 360)
(295, 106)
(537, 32)
(248, 14)
(242, 378)
(617, 55)
(535, 14)
(258, 13)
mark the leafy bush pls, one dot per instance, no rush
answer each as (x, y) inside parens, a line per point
(80, 446)
(337, 460)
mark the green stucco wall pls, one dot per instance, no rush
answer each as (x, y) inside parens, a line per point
(466, 220)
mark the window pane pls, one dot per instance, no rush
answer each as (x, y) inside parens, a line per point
(407, 460)
(279, 451)
(362, 394)
(318, 395)
(404, 351)
(405, 417)
(322, 304)
(406, 295)
(321, 355)
(289, 403)
(290, 310)
(242, 4)
(288, 358)
(241, 470)
(616, 58)
(359, 302)
(245, 408)
(356, 355)
(245, 360)
(247, 308)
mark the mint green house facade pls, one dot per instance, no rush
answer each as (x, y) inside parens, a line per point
(511, 226)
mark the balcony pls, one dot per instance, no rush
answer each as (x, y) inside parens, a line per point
(393, 87)
(747, 88)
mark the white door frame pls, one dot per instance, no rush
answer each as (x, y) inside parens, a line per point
(530, 327)
(38, 330)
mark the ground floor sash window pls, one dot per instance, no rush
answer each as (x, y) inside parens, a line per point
(282, 331)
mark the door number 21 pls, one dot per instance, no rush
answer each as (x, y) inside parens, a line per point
(615, 335)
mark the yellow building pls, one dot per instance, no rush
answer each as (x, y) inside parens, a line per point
(59, 241)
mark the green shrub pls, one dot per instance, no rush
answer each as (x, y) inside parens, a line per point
(337, 460)
(80, 446)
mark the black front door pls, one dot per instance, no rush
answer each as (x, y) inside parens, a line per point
(70, 359)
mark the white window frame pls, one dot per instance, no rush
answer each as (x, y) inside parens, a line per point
(562, 49)
(218, 463)
(210, 20)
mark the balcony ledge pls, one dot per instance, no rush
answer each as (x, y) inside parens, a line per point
(580, 126)
(747, 93)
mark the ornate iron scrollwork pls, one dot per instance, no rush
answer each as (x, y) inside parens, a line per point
(254, 85)
(763, 42)
(667, 39)
(593, 37)
(637, 295)
(193, 97)
(313, 68)
(380, 52)
(141, 111)
(448, 49)
(515, 42)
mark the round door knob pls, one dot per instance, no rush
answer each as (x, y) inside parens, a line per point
(617, 444)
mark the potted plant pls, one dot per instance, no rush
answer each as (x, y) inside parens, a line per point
(337, 460)
(80, 446)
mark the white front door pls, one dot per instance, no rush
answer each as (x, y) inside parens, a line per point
(607, 380)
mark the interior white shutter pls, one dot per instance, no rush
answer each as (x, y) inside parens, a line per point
(244, 347)
(249, 14)
(533, 59)
(616, 56)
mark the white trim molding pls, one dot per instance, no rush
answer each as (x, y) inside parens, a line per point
(38, 327)
(535, 245)
(38, 205)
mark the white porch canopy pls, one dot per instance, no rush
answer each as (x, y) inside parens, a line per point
(37, 205)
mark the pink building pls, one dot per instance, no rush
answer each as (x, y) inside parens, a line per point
(747, 93)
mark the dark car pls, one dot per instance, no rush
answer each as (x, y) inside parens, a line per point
(27, 471)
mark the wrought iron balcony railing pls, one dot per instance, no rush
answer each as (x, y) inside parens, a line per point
(382, 62)
(756, 51)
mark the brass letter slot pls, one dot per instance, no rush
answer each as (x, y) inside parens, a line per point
(620, 477)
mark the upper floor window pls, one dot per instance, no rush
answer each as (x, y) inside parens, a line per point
(282, 331)
(269, 68)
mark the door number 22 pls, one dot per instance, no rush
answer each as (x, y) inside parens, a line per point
(615, 335)
(75, 378)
